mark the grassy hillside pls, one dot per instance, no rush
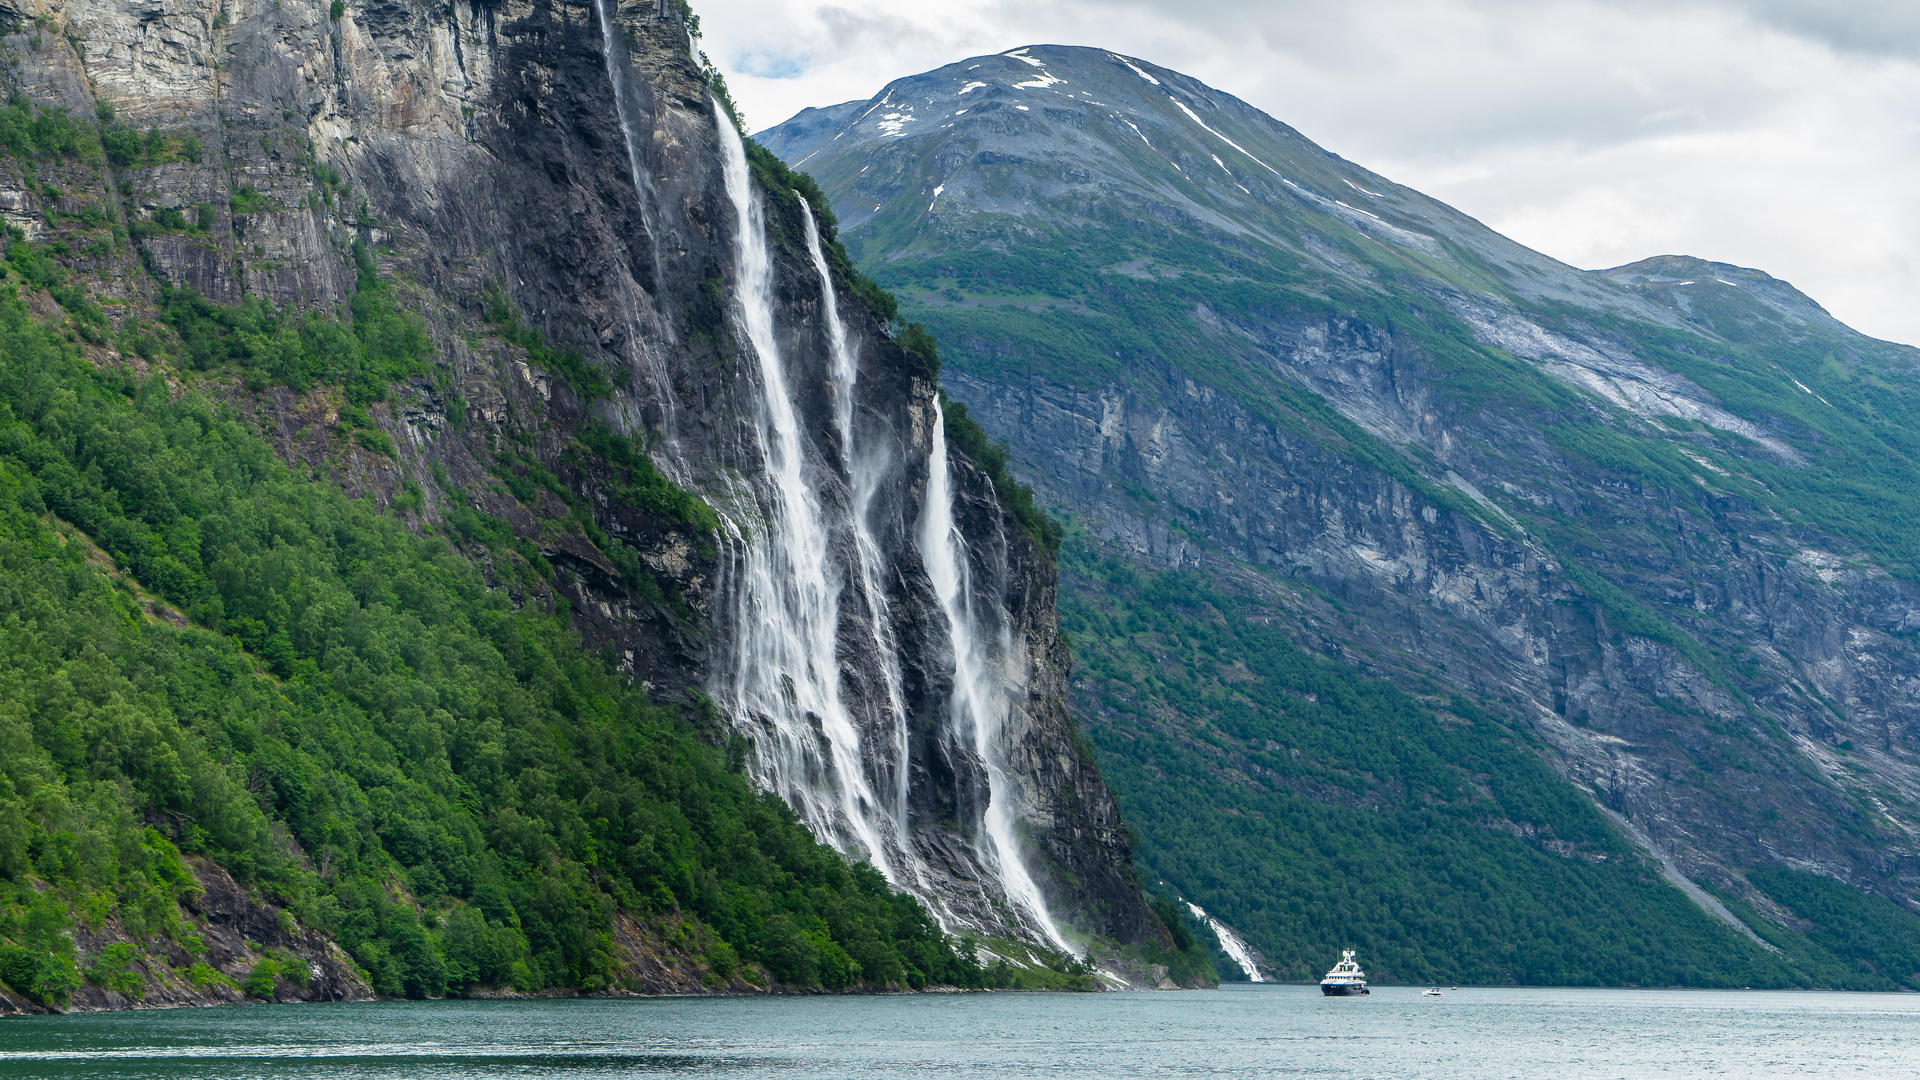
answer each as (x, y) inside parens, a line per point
(211, 655)
(1313, 809)
(1224, 346)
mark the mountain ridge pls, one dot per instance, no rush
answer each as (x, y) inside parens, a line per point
(456, 486)
(1653, 525)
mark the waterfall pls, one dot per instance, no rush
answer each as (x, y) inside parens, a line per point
(865, 475)
(642, 181)
(643, 192)
(1231, 943)
(979, 705)
(801, 604)
(783, 672)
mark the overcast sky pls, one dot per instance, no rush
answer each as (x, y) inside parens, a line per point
(1778, 134)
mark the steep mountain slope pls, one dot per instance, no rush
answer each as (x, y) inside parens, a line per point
(449, 477)
(1653, 524)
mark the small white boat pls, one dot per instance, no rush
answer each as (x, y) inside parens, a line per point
(1431, 991)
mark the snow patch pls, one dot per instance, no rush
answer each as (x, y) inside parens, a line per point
(1019, 54)
(1360, 189)
(1229, 172)
(1135, 70)
(1370, 223)
(971, 87)
(1023, 108)
(1040, 82)
(1191, 116)
(1735, 284)
(894, 123)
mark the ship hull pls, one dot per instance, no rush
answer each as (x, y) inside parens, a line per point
(1343, 989)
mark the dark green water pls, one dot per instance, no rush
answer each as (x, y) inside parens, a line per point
(1252, 1031)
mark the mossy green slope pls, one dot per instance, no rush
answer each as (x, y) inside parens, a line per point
(355, 723)
(1097, 226)
(1319, 809)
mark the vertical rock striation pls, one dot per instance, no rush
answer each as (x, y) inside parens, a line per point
(1657, 513)
(562, 166)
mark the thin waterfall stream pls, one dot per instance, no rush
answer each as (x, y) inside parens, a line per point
(642, 183)
(645, 196)
(865, 475)
(783, 672)
(1231, 943)
(979, 705)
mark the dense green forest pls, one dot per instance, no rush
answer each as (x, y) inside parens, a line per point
(348, 717)
(1313, 809)
(1266, 782)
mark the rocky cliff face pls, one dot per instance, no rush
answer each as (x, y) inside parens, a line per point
(242, 936)
(1652, 512)
(558, 167)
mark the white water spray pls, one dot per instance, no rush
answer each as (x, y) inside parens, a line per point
(800, 553)
(644, 194)
(865, 477)
(642, 180)
(783, 672)
(1231, 943)
(979, 704)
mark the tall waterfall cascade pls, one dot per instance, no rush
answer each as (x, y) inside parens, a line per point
(865, 473)
(783, 673)
(981, 673)
(807, 645)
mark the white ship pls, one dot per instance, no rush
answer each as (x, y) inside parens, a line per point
(1345, 978)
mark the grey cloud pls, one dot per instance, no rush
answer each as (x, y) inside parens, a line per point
(849, 30)
(1872, 27)
(1451, 80)
(1308, 27)
(1597, 130)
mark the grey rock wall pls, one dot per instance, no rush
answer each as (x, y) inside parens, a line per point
(459, 148)
(1425, 588)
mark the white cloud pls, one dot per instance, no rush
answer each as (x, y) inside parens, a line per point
(1779, 134)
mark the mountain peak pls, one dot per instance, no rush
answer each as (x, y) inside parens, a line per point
(998, 144)
(1677, 282)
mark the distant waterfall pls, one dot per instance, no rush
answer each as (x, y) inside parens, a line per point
(978, 709)
(644, 194)
(1231, 943)
(865, 475)
(783, 673)
(642, 182)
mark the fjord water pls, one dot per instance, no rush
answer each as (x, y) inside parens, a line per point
(1279, 1031)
